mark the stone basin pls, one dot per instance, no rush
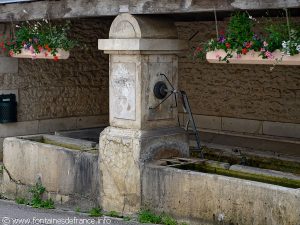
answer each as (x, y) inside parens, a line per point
(66, 167)
(201, 197)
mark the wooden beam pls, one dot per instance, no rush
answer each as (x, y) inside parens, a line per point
(95, 8)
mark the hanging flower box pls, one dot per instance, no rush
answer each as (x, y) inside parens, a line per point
(279, 44)
(44, 54)
(39, 40)
(253, 57)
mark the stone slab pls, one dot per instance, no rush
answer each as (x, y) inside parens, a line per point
(46, 126)
(9, 65)
(92, 121)
(51, 125)
(82, 144)
(281, 129)
(142, 44)
(19, 128)
(242, 125)
(207, 122)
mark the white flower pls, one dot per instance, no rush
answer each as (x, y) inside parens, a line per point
(251, 18)
(17, 26)
(284, 44)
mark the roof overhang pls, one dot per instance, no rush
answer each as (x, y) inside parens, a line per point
(95, 8)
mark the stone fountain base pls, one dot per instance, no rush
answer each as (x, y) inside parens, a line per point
(123, 153)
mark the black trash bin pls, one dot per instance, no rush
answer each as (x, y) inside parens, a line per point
(8, 108)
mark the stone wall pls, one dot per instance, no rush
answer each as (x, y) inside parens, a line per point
(240, 91)
(73, 87)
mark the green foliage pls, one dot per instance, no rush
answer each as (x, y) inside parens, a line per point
(21, 201)
(167, 220)
(280, 36)
(96, 212)
(126, 218)
(146, 216)
(78, 210)
(239, 31)
(37, 201)
(276, 34)
(40, 36)
(240, 38)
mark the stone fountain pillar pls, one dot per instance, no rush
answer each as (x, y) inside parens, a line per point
(140, 49)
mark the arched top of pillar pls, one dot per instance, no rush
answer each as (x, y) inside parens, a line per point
(128, 26)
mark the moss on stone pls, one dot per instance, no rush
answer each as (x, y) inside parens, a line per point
(64, 145)
(238, 174)
(253, 160)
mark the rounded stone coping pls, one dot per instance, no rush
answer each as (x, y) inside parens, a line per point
(142, 44)
(126, 25)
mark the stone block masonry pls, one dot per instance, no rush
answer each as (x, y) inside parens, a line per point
(237, 91)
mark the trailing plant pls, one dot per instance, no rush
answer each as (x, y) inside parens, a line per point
(39, 37)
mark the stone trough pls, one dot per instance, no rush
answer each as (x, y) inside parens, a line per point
(66, 167)
(206, 198)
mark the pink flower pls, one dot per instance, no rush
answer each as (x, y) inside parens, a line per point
(239, 56)
(262, 50)
(269, 55)
(265, 44)
(31, 49)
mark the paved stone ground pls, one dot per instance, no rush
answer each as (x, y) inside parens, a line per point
(13, 214)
